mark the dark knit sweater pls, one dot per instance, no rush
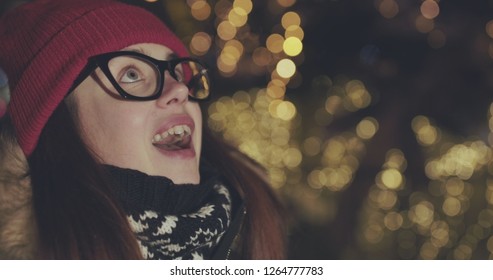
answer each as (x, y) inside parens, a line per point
(174, 221)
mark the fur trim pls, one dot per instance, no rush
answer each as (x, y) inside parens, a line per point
(16, 215)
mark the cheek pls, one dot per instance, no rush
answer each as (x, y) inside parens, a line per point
(116, 138)
(196, 114)
(106, 130)
(193, 110)
(95, 128)
(117, 125)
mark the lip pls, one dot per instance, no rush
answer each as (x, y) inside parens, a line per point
(174, 121)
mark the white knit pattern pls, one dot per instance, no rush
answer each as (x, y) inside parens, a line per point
(187, 236)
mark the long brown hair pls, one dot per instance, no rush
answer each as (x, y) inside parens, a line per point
(78, 217)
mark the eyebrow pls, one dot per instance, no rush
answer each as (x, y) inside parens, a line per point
(142, 51)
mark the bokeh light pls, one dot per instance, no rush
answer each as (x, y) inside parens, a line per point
(290, 19)
(201, 10)
(245, 5)
(292, 46)
(367, 128)
(201, 43)
(294, 31)
(275, 43)
(286, 68)
(226, 30)
(286, 3)
(387, 8)
(489, 28)
(430, 9)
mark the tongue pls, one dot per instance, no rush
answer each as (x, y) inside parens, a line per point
(174, 142)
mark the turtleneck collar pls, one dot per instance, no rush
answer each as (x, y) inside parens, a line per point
(138, 191)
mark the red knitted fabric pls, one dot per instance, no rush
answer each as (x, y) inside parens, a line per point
(45, 44)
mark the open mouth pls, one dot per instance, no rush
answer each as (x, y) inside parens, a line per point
(174, 139)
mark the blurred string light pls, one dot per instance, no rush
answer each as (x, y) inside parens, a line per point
(286, 3)
(234, 37)
(312, 167)
(262, 127)
(387, 8)
(430, 9)
(426, 134)
(201, 10)
(489, 32)
(238, 45)
(380, 211)
(267, 127)
(424, 20)
(340, 155)
(260, 121)
(434, 223)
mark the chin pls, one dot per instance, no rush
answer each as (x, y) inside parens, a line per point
(190, 178)
(179, 170)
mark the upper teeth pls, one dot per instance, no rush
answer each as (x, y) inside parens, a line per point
(179, 130)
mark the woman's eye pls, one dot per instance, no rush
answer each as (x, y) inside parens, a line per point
(179, 77)
(130, 76)
(179, 74)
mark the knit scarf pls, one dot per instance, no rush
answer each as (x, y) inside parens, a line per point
(173, 221)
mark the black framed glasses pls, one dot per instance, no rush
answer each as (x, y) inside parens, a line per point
(136, 76)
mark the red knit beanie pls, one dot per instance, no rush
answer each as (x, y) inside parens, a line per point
(45, 44)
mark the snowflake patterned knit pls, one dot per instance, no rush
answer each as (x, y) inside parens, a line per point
(173, 221)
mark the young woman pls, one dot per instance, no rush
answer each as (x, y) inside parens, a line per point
(103, 151)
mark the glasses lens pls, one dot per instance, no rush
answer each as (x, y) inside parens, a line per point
(194, 75)
(137, 77)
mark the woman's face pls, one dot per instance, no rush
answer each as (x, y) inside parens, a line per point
(137, 134)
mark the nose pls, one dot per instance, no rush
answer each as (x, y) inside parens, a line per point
(174, 92)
